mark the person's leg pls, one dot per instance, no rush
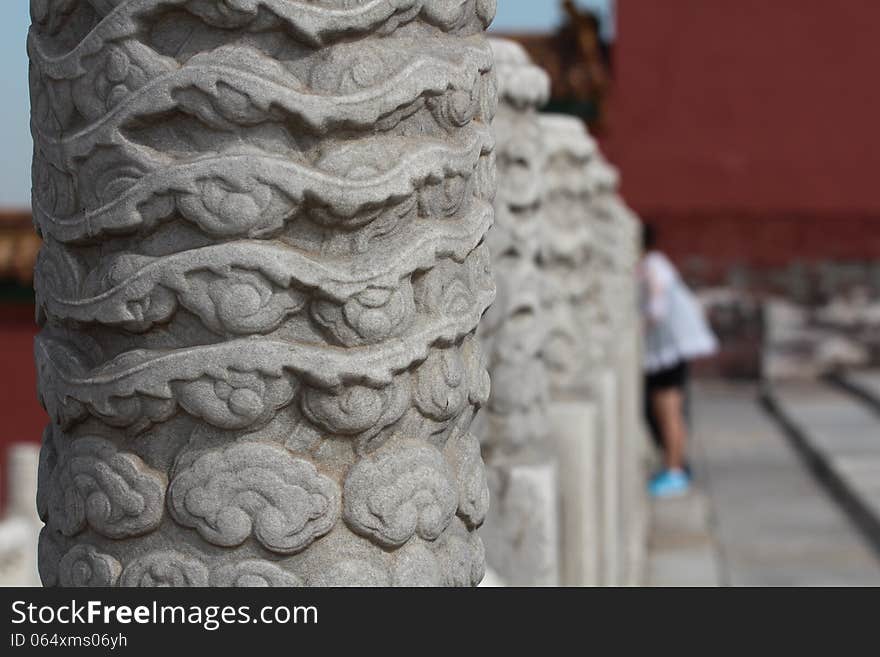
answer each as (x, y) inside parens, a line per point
(650, 416)
(668, 408)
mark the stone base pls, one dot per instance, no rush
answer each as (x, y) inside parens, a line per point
(491, 580)
(605, 391)
(521, 533)
(20, 528)
(634, 456)
(574, 432)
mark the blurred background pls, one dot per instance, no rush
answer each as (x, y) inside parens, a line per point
(746, 132)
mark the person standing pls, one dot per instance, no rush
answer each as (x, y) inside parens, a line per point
(676, 332)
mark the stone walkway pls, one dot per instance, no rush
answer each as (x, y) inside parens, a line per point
(758, 516)
(865, 386)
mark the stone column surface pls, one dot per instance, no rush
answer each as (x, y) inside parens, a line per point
(522, 530)
(575, 429)
(262, 274)
(576, 414)
(618, 244)
(20, 525)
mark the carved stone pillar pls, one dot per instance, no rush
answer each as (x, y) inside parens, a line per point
(521, 533)
(566, 247)
(618, 245)
(262, 275)
(581, 395)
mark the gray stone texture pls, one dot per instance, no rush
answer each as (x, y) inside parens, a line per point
(615, 336)
(513, 330)
(574, 431)
(20, 525)
(262, 273)
(590, 249)
(617, 246)
(570, 295)
(521, 533)
(840, 432)
(773, 522)
(522, 530)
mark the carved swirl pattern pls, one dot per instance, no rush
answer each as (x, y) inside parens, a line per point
(250, 488)
(591, 248)
(164, 568)
(512, 333)
(568, 253)
(84, 566)
(113, 493)
(617, 246)
(513, 433)
(253, 573)
(262, 273)
(406, 492)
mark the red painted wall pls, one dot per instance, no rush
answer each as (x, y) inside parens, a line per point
(23, 419)
(751, 128)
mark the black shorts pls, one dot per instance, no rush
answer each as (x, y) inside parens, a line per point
(675, 376)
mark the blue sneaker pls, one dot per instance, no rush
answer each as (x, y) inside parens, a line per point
(669, 483)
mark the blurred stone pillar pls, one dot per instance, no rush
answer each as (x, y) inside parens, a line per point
(617, 247)
(262, 275)
(606, 336)
(20, 525)
(22, 468)
(522, 530)
(579, 417)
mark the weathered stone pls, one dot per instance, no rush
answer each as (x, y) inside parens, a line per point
(513, 329)
(617, 249)
(635, 456)
(617, 349)
(522, 534)
(262, 274)
(574, 430)
(23, 462)
(20, 525)
(570, 304)
(589, 253)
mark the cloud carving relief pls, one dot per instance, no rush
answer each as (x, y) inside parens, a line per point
(253, 489)
(263, 228)
(114, 493)
(396, 495)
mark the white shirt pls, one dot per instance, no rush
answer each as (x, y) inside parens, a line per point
(675, 327)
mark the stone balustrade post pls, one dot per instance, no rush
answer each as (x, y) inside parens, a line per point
(618, 242)
(580, 397)
(522, 530)
(591, 248)
(262, 274)
(20, 524)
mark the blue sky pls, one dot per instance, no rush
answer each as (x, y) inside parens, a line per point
(15, 138)
(541, 15)
(15, 135)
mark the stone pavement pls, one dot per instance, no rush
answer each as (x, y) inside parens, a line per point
(865, 385)
(681, 549)
(838, 431)
(758, 517)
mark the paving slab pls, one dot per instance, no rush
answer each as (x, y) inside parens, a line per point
(865, 384)
(839, 436)
(681, 550)
(773, 522)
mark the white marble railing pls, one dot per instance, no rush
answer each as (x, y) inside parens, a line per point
(20, 526)
(521, 533)
(564, 346)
